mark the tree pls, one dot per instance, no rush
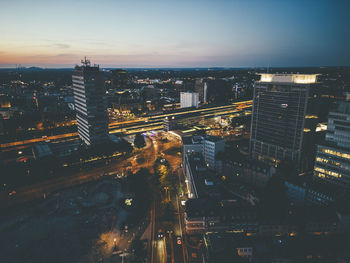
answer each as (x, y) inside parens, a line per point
(236, 121)
(167, 180)
(140, 185)
(139, 141)
(124, 147)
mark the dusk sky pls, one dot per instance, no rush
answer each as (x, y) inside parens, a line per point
(181, 33)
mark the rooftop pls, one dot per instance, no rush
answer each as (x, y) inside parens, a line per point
(288, 78)
(343, 107)
(86, 66)
(187, 140)
(42, 149)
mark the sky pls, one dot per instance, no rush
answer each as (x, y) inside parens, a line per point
(179, 33)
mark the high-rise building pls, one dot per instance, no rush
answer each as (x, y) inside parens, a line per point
(332, 163)
(201, 88)
(279, 108)
(119, 78)
(189, 99)
(90, 103)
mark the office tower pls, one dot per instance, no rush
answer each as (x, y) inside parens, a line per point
(119, 79)
(189, 99)
(279, 108)
(90, 103)
(332, 163)
(201, 88)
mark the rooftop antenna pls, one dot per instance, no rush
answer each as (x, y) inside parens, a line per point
(86, 62)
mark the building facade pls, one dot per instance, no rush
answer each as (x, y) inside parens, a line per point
(212, 146)
(90, 103)
(201, 88)
(332, 163)
(279, 109)
(189, 99)
(208, 146)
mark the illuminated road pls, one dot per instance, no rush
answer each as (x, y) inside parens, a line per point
(35, 191)
(141, 124)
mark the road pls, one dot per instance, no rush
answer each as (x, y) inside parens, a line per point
(173, 246)
(35, 191)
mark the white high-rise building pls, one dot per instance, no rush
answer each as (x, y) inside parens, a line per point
(90, 103)
(189, 99)
(205, 90)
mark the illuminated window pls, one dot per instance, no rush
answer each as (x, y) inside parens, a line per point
(324, 171)
(331, 152)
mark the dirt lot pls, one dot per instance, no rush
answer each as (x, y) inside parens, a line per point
(66, 227)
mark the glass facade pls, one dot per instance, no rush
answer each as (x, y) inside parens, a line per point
(332, 162)
(277, 122)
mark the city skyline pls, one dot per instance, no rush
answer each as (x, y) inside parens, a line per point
(187, 131)
(175, 34)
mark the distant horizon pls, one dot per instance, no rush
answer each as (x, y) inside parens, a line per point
(168, 67)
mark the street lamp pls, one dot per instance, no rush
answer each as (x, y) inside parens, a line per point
(167, 193)
(115, 245)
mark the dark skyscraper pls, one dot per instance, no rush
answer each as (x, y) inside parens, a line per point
(279, 108)
(119, 79)
(90, 103)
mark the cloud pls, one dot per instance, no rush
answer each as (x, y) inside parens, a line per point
(61, 45)
(65, 55)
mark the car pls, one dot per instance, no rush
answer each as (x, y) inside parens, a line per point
(160, 234)
(12, 193)
(178, 240)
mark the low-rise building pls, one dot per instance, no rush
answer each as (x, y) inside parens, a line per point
(41, 149)
(212, 146)
(310, 193)
(257, 173)
(208, 146)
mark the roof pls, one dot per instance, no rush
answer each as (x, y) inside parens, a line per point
(42, 149)
(188, 140)
(288, 78)
(343, 107)
(213, 138)
(234, 211)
